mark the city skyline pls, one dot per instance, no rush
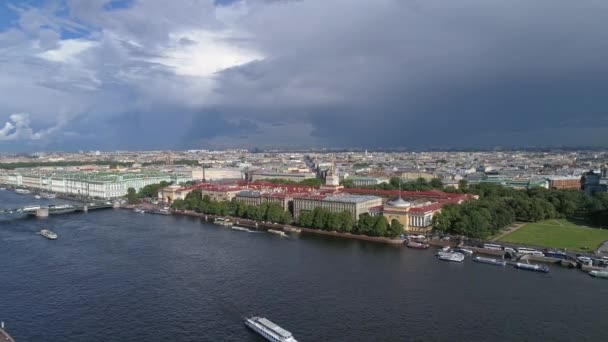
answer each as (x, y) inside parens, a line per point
(149, 75)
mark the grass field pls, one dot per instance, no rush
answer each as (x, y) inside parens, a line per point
(558, 234)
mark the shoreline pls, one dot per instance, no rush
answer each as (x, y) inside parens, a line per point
(265, 226)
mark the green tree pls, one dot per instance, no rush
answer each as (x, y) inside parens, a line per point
(395, 229)
(436, 183)
(132, 196)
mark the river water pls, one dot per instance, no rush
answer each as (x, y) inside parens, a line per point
(115, 275)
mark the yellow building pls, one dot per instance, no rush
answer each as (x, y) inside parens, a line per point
(398, 210)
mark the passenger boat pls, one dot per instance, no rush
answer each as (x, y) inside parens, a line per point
(277, 232)
(48, 234)
(22, 191)
(451, 256)
(532, 267)
(49, 196)
(269, 330)
(599, 274)
(417, 245)
(490, 261)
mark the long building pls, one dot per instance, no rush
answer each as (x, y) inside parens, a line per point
(103, 184)
(355, 204)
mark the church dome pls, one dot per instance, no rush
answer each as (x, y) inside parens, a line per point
(399, 203)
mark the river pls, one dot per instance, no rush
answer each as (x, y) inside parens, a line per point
(116, 275)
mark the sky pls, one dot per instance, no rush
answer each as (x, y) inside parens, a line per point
(181, 74)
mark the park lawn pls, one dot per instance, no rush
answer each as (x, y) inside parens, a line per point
(561, 234)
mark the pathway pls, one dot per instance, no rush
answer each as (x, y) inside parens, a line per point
(511, 229)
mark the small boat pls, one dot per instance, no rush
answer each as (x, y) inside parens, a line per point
(140, 211)
(451, 256)
(490, 261)
(465, 251)
(22, 191)
(292, 229)
(599, 274)
(222, 221)
(269, 330)
(48, 234)
(446, 249)
(277, 232)
(417, 245)
(2, 189)
(37, 197)
(532, 267)
(49, 196)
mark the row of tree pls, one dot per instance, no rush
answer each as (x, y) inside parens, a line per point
(419, 184)
(264, 212)
(500, 206)
(324, 219)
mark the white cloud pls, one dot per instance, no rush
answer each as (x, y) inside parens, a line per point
(18, 128)
(68, 50)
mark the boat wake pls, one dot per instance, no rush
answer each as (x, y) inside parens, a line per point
(243, 229)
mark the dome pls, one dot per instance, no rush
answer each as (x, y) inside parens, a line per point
(399, 203)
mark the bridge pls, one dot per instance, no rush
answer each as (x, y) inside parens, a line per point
(44, 211)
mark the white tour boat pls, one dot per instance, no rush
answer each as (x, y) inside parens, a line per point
(269, 330)
(48, 234)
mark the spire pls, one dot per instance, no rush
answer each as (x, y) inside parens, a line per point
(400, 188)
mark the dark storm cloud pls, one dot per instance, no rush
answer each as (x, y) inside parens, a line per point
(398, 73)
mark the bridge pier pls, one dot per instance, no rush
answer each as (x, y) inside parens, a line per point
(42, 212)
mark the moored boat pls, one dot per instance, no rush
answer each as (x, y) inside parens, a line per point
(451, 256)
(490, 261)
(269, 330)
(417, 245)
(223, 221)
(464, 251)
(48, 234)
(22, 191)
(292, 229)
(599, 274)
(532, 267)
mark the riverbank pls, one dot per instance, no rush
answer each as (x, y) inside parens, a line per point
(265, 226)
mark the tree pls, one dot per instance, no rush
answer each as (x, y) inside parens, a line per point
(305, 219)
(380, 227)
(151, 190)
(436, 183)
(132, 196)
(346, 219)
(274, 212)
(285, 217)
(395, 229)
(348, 183)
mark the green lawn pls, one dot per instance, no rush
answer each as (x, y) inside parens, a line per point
(559, 234)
